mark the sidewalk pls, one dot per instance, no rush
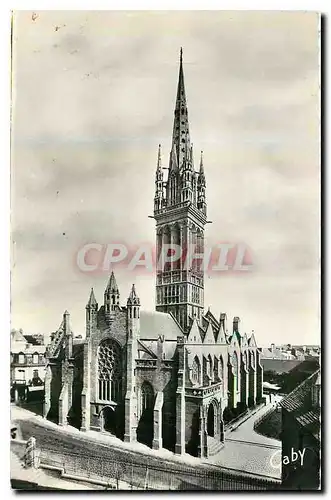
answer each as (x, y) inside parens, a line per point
(245, 431)
(248, 451)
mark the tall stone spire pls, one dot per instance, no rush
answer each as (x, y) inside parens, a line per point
(181, 221)
(181, 134)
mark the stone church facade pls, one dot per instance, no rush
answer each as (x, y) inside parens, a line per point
(167, 378)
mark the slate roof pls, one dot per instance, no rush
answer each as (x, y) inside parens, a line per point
(299, 404)
(169, 349)
(153, 324)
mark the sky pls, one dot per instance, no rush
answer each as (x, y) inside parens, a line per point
(93, 94)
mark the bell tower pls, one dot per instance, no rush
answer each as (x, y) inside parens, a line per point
(180, 212)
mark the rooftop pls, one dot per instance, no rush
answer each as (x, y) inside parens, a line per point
(300, 405)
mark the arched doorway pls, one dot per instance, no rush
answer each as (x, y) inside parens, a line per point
(211, 420)
(145, 429)
(108, 420)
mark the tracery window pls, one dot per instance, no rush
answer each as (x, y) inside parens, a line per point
(109, 371)
(196, 371)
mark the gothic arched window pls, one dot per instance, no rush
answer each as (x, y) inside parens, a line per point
(235, 368)
(109, 371)
(146, 397)
(196, 371)
(252, 359)
(209, 365)
(221, 368)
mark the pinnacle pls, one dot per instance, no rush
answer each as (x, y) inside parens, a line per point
(92, 301)
(112, 285)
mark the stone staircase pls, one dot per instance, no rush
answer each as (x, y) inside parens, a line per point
(214, 446)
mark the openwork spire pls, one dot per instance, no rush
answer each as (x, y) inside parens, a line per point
(181, 134)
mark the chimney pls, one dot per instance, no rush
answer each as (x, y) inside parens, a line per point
(236, 321)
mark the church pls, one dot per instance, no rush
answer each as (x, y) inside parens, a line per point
(169, 378)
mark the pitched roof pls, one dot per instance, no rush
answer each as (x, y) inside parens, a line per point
(299, 404)
(153, 324)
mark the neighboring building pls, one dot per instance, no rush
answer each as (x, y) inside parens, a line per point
(27, 365)
(298, 353)
(301, 413)
(274, 352)
(164, 378)
(35, 339)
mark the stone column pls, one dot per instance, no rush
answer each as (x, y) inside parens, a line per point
(172, 242)
(48, 395)
(221, 428)
(130, 424)
(259, 378)
(203, 446)
(63, 405)
(180, 398)
(85, 398)
(157, 439)
(252, 386)
(181, 243)
(159, 251)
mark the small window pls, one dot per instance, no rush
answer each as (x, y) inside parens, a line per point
(35, 359)
(21, 359)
